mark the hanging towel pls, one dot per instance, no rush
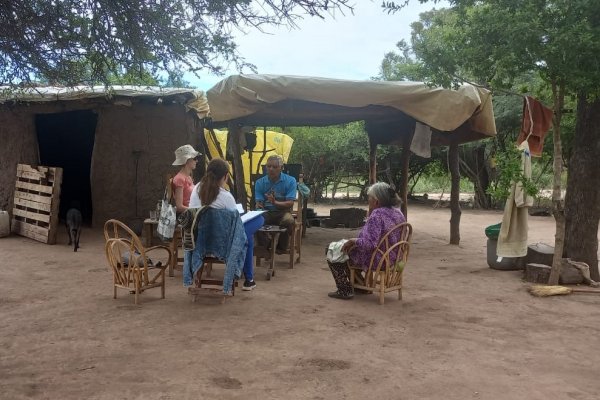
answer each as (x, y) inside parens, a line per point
(537, 120)
(512, 240)
(421, 142)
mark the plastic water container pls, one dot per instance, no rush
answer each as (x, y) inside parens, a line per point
(504, 264)
(493, 231)
(4, 224)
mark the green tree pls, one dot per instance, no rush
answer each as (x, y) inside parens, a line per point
(475, 158)
(401, 65)
(83, 42)
(492, 42)
(335, 156)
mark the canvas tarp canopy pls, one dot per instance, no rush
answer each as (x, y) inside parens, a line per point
(278, 100)
(119, 94)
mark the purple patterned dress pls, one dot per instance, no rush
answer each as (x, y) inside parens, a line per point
(380, 221)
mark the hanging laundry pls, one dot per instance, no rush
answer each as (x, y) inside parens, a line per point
(512, 239)
(537, 120)
(421, 141)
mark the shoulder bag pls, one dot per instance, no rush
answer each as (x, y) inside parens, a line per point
(167, 219)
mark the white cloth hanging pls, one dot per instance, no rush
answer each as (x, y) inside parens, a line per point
(421, 141)
(512, 240)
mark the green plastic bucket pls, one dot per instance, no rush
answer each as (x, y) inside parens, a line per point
(493, 231)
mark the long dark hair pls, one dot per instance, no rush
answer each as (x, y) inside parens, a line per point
(209, 184)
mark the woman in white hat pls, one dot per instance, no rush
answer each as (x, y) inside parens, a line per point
(183, 184)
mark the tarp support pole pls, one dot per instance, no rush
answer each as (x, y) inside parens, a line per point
(455, 211)
(404, 174)
(235, 132)
(372, 161)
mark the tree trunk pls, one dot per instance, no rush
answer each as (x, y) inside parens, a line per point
(372, 162)
(582, 201)
(404, 177)
(336, 182)
(454, 194)
(558, 96)
(480, 176)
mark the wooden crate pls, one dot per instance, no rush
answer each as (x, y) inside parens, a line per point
(36, 201)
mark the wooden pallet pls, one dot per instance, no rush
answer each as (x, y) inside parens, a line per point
(36, 201)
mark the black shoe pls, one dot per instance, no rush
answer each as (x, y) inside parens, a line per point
(338, 295)
(249, 285)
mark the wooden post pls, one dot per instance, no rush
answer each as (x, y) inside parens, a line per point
(404, 174)
(372, 162)
(234, 135)
(455, 211)
(57, 186)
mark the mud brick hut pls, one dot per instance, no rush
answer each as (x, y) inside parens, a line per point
(115, 145)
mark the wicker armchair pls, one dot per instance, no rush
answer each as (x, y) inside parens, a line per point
(132, 267)
(384, 276)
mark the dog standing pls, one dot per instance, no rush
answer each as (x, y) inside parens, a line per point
(73, 223)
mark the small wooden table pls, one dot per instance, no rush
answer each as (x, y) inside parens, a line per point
(149, 228)
(273, 233)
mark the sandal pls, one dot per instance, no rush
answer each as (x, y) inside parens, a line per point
(338, 295)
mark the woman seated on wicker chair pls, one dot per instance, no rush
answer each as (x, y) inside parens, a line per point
(382, 216)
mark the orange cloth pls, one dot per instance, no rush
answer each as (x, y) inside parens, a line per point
(537, 119)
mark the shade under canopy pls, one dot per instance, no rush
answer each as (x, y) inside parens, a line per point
(278, 100)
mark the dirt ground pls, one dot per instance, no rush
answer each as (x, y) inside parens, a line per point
(463, 330)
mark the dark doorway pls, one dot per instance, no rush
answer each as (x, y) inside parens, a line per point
(66, 140)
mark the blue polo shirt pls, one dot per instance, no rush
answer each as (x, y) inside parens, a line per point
(284, 188)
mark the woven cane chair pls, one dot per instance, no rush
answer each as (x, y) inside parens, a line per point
(133, 269)
(384, 276)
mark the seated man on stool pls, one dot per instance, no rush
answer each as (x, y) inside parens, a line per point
(276, 193)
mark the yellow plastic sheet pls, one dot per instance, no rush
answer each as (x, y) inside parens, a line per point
(276, 143)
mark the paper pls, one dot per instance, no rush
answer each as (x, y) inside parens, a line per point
(240, 208)
(251, 214)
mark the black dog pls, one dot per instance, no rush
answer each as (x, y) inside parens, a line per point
(73, 223)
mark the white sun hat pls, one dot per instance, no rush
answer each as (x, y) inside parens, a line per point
(184, 153)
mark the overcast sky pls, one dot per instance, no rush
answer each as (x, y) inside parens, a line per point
(347, 47)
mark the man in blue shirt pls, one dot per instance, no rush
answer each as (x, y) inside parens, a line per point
(276, 193)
